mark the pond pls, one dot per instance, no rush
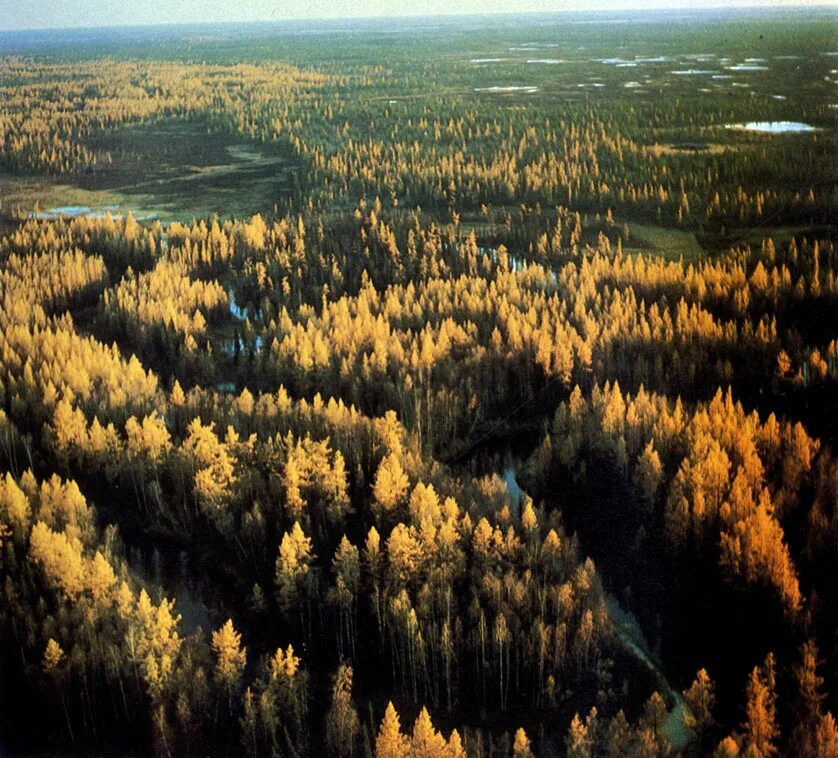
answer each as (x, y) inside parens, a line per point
(75, 211)
(773, 127)
(746, 67)
(510, 88)
(236, 310)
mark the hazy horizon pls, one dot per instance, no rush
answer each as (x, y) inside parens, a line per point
(39, 15)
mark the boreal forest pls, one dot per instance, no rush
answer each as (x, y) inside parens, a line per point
(421, 388)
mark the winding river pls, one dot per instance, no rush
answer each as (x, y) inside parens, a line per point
(628, 630)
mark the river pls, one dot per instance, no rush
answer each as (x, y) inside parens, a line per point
(628, 630)
(171, 571)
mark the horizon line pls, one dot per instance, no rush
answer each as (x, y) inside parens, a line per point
(716, 5)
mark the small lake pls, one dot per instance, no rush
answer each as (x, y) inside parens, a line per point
(746, 67)
(773, 127)
(511, 88)
(75, 211)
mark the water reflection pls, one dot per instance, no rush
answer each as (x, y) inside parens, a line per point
(773, 127)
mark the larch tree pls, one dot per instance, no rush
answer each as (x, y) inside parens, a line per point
(826, 736)
(230, 659)
(390, 485)
(342, 722)
(700, 699)
(578, 742)
(391, 742)
(346, 567)
(809, 706)
(761, 730)
(425, 740)
(294, 577)
(521, 746)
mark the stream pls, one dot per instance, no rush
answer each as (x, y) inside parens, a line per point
(629, 632)
(170, 569)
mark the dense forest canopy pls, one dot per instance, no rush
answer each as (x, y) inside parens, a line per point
(459, 389)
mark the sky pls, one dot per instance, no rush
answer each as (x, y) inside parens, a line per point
(42, 14)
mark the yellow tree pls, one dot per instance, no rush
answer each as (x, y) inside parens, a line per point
(426, 742)
(294, 579)
(53, 665)
(283, 701)
(700, 699)
(14, 505)
(60, 558)
(648, 474)
(390, 485)
(521, 747)
(53, 656)
(342, 723)
(577, 742)
(157, 642)
(213, 466)
(761, 730)
(374, 563)
(826, 736)
(230, 657)
(727, 748)
(809, 710)
(346, 566)
(390, 742)
(153, 636)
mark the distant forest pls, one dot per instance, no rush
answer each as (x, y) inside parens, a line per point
(467, 390)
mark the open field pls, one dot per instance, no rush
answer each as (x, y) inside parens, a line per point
(169, 170)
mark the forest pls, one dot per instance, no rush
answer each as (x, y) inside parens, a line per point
(460, 389)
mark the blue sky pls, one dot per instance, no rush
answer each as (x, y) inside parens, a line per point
(34, 14)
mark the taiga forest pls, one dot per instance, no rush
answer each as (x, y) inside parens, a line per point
(421, 388)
